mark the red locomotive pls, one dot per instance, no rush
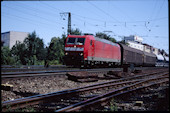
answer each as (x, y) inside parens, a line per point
(88, 50)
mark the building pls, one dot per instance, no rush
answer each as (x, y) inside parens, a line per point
(9, 38)
(156, 51)
(133, 38)
(134, 42)
(147, 48)
(135, 45)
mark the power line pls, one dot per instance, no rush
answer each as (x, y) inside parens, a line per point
(103, 11)
(33, 15)
(157, 15)
(35, 9)
(27, 19)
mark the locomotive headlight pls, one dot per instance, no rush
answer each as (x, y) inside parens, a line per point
(66, 53)
(81, 54)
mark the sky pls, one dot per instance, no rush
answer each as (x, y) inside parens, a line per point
(117, 18)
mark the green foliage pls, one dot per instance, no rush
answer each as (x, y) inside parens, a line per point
(123, 42)
(30, 52)
(113, 107)
(105, 36)
(75, 32)
(35, 48)
(18, 51)
(56, 50)
(6, 58)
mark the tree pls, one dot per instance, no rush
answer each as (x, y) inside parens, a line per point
(123, 42)
(6, 58)
(19, 52)
(56, 49)
(105, 36)
(35, 48)
(40, 50)
(75, 32)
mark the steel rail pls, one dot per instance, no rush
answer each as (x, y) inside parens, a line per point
(98, 99)
(40, 73)
(45, 73)
(39, 98)
(105, 100)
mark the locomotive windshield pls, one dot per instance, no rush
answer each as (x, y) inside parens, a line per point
(80, 41)
(71, 40)
(77, 41)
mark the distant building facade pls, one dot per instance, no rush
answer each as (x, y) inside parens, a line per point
(156, 51)
(134, 42)
(135, 45)
(133, 38)
(9, 38)
(148, 48)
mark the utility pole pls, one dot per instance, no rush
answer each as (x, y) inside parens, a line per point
(69, 21)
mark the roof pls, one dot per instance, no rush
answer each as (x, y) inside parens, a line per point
(14, 31)
(125, 47)
(160, 57)
(106, 41)
(149, 54)
(166, 58)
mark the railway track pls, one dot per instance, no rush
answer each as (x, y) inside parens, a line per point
(85, 97)
(45, 73)
(32, 68)
(62, 71)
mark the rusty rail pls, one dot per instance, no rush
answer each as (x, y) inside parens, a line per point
(85, 105)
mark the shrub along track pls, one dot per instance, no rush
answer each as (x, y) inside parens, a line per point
(86, 98)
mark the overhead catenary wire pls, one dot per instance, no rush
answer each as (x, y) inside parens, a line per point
(34, 15)
(28, 20)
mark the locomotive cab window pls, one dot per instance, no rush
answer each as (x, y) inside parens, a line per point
(71, 40)
(80, 41)
(77, 41)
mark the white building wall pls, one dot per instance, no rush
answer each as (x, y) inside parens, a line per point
(156, 51)
(135, 45)
(147, 49)
(133, 38)
(17, 36)
(11, 37)
(5, 37)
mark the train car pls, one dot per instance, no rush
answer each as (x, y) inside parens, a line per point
(88, 50)
(166, 63)
(149, 59)
(131, 56)
(160, 60)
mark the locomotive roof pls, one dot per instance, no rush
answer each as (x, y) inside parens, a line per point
(96, 38)
(105, 41)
